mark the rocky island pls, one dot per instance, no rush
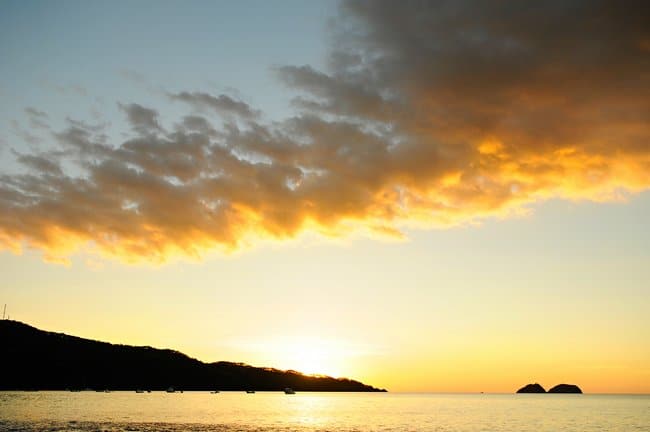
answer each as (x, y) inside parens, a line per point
(34, 359)
(565, 388)
(560, 388)
(532, 388)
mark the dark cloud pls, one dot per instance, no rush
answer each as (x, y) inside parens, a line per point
(43, 164)
(222, 104)
(36, 113)
(430, 113)
(142, 120)
(198, 124)
(518, 95)
(37, 119)
(25, 134)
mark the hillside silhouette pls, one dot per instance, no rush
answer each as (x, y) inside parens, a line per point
(34, 359)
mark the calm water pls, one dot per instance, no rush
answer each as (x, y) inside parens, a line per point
(237, 411)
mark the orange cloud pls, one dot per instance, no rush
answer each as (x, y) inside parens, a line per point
(429, 115)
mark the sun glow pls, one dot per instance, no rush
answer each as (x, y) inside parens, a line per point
(307, 355)
(313, 358)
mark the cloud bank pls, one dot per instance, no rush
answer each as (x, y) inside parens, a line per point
(430, 114)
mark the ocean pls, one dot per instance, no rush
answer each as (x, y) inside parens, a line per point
(275, 411)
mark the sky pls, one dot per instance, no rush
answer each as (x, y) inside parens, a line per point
(424, 196)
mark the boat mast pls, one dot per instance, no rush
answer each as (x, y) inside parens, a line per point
(3, 311)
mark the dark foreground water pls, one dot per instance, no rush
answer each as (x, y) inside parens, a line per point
(237, 411)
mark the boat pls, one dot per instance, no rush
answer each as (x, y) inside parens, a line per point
(289, 390)
(214, 392)
(250, 391)
(139, 391)
(170, 390)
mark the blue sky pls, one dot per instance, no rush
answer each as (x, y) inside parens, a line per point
(79, 59)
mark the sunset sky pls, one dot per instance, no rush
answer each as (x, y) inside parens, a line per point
(425, 196)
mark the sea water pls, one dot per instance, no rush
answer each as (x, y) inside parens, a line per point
(306, 411)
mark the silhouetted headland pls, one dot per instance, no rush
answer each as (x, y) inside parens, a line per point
(36, 359)
(532, 388)
(565, 388)
(560, 388)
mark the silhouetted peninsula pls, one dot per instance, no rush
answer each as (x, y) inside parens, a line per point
(532, 388)
(34, 359)
(565, 388)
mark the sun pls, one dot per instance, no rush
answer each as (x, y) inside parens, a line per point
(313, 358)
(310, 356)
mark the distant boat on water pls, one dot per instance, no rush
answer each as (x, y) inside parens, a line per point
(214, 392)
(170, 390)
(139, 391)
(250, 391)
(289, 390)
